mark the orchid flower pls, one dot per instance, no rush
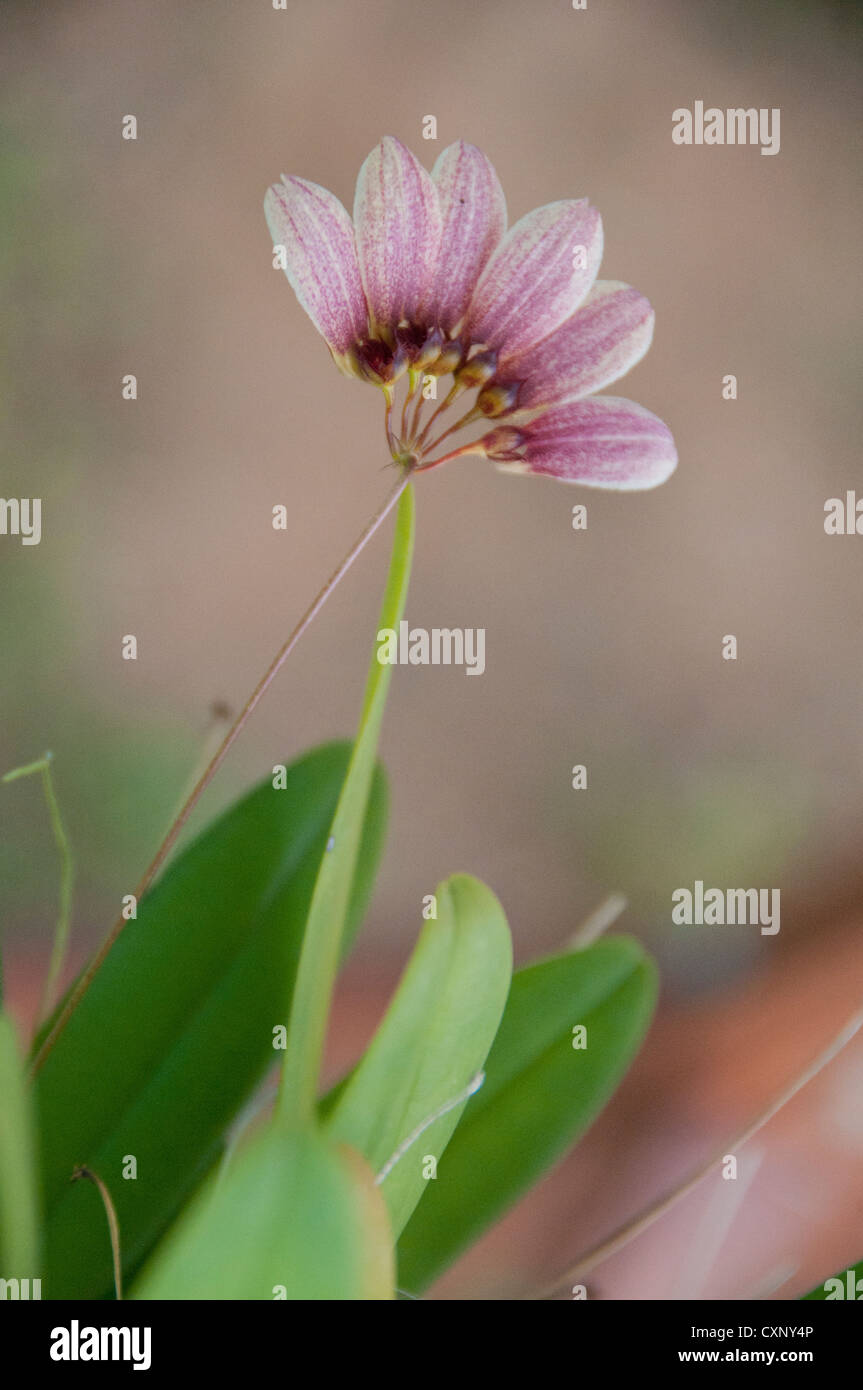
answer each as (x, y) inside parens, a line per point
(425, 282)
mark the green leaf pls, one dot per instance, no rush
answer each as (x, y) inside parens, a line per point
(433, 1040)
(540, 1094)
(293, 1218)
(176, 1029)
(847, 1284)
(19, 1241)
(325, 928)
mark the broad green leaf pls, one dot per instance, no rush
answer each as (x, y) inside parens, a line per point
(176, 1029)
(19, 1243)
(434, 1038)
(294, 1217)
(847, 1284)
(540, 1094)
(327, 915)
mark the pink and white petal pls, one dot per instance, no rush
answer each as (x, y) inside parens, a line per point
(473, 214)
(601, 442)
(398, 229)
(597, 345)
(537, 277)
(321, 258)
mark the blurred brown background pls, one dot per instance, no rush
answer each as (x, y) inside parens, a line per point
(603, 647)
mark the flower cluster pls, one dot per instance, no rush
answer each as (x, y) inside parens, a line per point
(426, 282)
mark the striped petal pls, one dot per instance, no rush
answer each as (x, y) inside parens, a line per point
(473, 217)
(398, 228)
(598, 345)
(321, 258)
(600, 442)
(537, 277)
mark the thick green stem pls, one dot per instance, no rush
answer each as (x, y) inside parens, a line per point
(319, 959)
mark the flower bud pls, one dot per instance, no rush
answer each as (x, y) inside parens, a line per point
(448, 360)
(377, 362)
(477, 370)
(503, 444)
(497, 398)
